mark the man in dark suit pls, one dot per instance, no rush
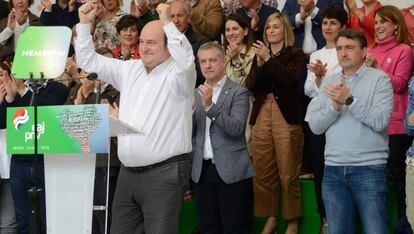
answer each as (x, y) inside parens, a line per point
(305, 17)
(222, 169)
(61, 13)
(181, 15)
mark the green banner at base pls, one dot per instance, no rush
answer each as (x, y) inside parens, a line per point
(61, 129)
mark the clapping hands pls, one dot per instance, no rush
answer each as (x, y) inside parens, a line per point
(262, 52)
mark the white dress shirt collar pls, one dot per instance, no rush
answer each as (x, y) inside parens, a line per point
(208, 149)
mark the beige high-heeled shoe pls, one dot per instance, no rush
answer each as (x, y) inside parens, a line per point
(292, 227)
(270, 226)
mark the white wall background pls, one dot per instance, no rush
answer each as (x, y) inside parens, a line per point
(35, 8)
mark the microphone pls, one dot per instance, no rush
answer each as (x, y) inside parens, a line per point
(98, 92)
(91, 76)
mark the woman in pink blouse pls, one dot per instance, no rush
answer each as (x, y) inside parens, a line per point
(392, 54)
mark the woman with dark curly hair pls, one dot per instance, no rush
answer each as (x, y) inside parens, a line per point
(128, 27)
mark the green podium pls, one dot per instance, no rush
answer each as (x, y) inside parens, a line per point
(69, 137)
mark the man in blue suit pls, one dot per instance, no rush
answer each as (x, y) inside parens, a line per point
(305, 17)
(222, 169)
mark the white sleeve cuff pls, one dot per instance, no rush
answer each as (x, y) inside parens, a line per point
(170, 28)
(298, 20)
(209, 107)
(21, 28)
(311, 89)
(5, 35)
(333, 109)
(314, 12)
(24, 92)
(8, 30)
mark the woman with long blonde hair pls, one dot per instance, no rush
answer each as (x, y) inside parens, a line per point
(277, 116)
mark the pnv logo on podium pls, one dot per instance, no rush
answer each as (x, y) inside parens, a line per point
(20, 117)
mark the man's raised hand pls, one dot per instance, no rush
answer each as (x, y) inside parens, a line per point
(87, 12)
(163, 11)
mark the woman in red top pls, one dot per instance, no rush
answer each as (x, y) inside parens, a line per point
(128, 27)
(362, 19)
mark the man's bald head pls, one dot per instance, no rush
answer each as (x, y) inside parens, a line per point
(152, 45)
(155, 27)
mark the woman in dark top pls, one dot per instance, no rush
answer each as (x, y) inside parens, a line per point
(277, 117)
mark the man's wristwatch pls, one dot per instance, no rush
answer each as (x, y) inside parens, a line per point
(349, 100)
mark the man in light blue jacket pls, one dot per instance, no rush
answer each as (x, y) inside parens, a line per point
(353, 110)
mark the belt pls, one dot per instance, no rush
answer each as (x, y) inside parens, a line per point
(208, 161)
(177, 158)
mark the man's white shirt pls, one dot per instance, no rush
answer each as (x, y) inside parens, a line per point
(159, 103)
(208, 149)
